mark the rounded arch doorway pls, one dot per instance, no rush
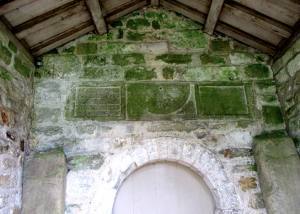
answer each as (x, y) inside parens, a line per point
(164, 187)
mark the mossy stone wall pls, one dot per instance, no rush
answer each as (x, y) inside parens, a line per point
(16, 99)
(154, 75)
(159, 66)
(287, 75)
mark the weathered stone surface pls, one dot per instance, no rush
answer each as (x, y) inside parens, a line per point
(145, 100)
(44, 183)
(279, 171)
(221, 101)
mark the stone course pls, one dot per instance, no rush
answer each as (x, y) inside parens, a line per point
(155, 88)
(287, 75)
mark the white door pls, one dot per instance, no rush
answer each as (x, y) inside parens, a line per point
(164, 188)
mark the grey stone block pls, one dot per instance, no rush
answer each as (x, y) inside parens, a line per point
(279, 171)
(44, 183)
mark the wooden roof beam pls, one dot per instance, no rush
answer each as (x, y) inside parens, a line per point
(213, 16)
(12, 5)
(97, 15)
(288, 43)
(155, 3)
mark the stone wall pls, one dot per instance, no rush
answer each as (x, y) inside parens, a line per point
(287, 74)
(155, 88)
(16, 70)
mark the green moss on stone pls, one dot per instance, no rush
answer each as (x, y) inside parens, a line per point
(157, 15)
(175, 58)
(272, 115)
(127, 59)
(85, 162)
(69, 50)
(272, 134)
(87, 48)
(5, 54)
(111, 47)
(12, 47)
(158, 99)
(117, 23)
(135, 36)
(257, 71)
(221, 100)
(22, 67)
(220, 45)
(188, 39)
(168, 73)
(139, 73)
(94, 60)
(104, 73)
(137, 23)
(155, 25)
(211, 59)
(4, 74)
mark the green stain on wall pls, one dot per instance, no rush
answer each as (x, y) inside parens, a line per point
(158, 99)
(4, 74)
(188, 39)
(127, 59)
(175, 58)
(22, 67)
(272, 115)
(135, 36)
(137, 23)
(139, 73)
(94, 60)
(168, 73)
(12, 47)
(87, 48)
(257, 71)
(211, 59)
(221, 100)
(155, 25)
(5, 54)
(220, 45)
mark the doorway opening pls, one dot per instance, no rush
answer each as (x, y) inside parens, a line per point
(164, 187)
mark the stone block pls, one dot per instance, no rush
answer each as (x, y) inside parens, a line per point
(12, 47)
(128, 59)
(94, 60)
(294, 65)
(221, 101)
(272, 115)
(150, 101)
(104, 73)
(279, 173)
(23, 67)
(220, 45)
(139, 73)
(87, 48)
(44, 183)
(5, 54)
(96, 102)
(175, 58)
(4, 74)
(257, 71)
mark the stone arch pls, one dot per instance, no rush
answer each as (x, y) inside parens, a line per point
(121, 164)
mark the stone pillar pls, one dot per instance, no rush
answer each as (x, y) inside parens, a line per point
(44, 183)
(278, 166)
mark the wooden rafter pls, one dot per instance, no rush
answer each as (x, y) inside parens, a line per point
(289, 42)
(97, 16)
(155, 3)
(8, 6)
(213, 16)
